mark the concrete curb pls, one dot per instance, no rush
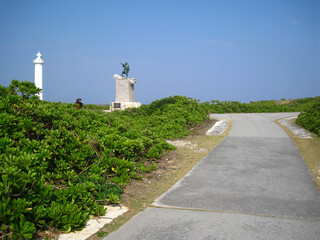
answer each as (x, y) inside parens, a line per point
(218, 128)
(296, 130)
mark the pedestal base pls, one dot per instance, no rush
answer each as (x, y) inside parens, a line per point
(124, 105)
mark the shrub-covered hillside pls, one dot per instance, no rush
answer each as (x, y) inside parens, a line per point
(297, 105)
(59, 164)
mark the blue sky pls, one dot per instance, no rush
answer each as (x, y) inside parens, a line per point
(237, 50)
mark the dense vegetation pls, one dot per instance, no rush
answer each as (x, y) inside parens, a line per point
(59, 164)
(311, 118)
(297, 105)
(95, 107)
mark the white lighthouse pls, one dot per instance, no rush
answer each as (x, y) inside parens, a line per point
(38, 62)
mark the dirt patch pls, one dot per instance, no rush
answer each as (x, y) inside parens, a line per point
(182, 143)
(281, 102)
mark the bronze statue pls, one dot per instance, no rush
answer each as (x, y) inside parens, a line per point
(125, 69)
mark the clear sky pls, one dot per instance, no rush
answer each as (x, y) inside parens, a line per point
(238, 50)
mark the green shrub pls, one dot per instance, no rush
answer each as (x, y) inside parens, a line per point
(96, 107)
(58, 164)
(297, 105)
(311, 119)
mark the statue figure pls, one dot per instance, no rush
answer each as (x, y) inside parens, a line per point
(125, 69)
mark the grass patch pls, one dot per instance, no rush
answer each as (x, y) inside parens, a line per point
(140, 194)
(310, 151)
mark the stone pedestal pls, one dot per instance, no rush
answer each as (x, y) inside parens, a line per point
(124, 94)
(124, 105)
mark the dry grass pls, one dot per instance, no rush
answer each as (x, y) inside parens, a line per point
(171, 168)
(281, 102)
(310, 151)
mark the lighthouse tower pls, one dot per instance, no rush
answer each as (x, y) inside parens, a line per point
(38, 62)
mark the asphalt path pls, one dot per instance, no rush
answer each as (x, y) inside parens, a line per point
(254, 185)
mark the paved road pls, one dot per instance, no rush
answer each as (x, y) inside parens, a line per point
(254, 185)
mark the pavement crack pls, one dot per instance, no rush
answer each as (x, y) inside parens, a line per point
(234, 212)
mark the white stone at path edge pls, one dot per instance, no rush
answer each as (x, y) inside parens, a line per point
(218, 128)
(95, 224)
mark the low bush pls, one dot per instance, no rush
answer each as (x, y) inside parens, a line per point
(311, 119)
(96, 107)
(58, 164)
(297, 105)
